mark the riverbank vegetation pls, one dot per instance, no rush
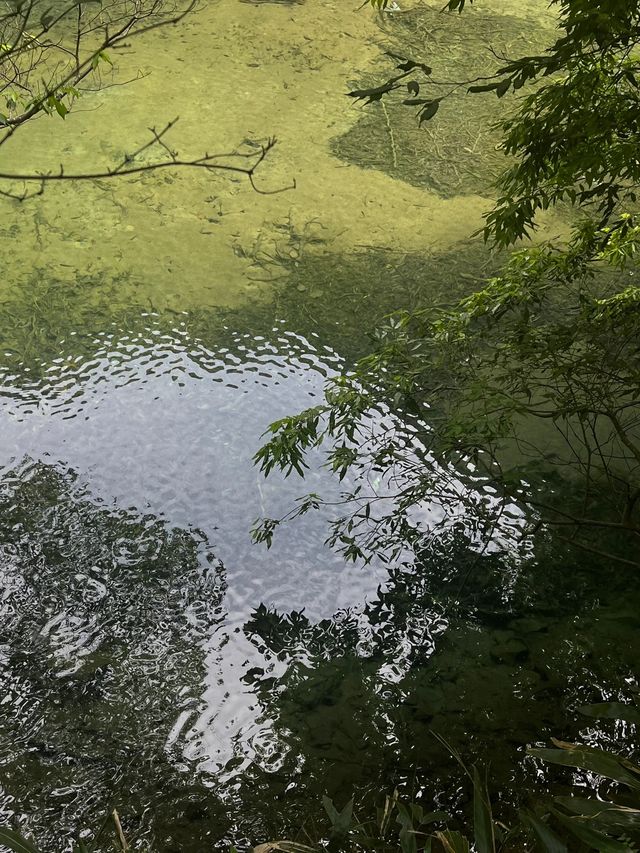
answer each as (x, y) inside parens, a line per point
(610, 825)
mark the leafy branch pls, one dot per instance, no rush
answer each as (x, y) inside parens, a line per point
(45, 56)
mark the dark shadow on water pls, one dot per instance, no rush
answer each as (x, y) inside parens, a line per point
(494, 659)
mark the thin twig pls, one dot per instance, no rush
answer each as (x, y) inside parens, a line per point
(204, 162)
(394, 153)
(118, 825)
(606, 554)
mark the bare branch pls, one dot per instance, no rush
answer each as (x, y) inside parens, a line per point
(207, 161)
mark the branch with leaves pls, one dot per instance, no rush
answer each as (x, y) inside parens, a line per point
(544, 358)
(46, 55)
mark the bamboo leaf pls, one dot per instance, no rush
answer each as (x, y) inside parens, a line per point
(453, 842)
(595, 760)
(602, 812)
(597, 840)
(482, 817)
(15, 841)
(547, 838)
(612, 711)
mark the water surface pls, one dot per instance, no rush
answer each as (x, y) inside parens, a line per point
(151, 657)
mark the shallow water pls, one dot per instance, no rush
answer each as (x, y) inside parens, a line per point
(151, 657)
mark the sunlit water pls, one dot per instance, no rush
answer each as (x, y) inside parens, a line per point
(151, 657)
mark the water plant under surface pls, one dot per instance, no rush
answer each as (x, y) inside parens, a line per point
(567, 823)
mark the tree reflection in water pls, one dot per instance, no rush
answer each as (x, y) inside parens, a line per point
(491, 655)
(107, 619)
(103, 613)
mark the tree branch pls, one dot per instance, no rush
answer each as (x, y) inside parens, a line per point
(124, 169)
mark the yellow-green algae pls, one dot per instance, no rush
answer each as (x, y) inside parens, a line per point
(236, 73)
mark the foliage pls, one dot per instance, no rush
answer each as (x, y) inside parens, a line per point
(406, 827)
(530, 345)
(542, 363)
(46, 52)
(608, 826)
(47, 55)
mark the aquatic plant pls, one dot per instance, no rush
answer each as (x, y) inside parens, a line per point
(17, 842)
(608, 826)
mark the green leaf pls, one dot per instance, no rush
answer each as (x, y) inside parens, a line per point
(613, 711)
(595, 760)
(482, 817)
(15, 841)
(597, 840)
(548, 839)
(340, 821)
(453, 842)
(407, 835)
(61, 109)
(602, 812)
(433, 817)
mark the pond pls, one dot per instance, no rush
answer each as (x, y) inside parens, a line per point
(152, 658)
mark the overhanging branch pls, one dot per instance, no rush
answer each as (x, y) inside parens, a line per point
(128, 168)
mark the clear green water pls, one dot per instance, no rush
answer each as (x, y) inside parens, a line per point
(152, 658)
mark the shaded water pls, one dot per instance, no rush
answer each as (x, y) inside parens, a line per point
(151, 658)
